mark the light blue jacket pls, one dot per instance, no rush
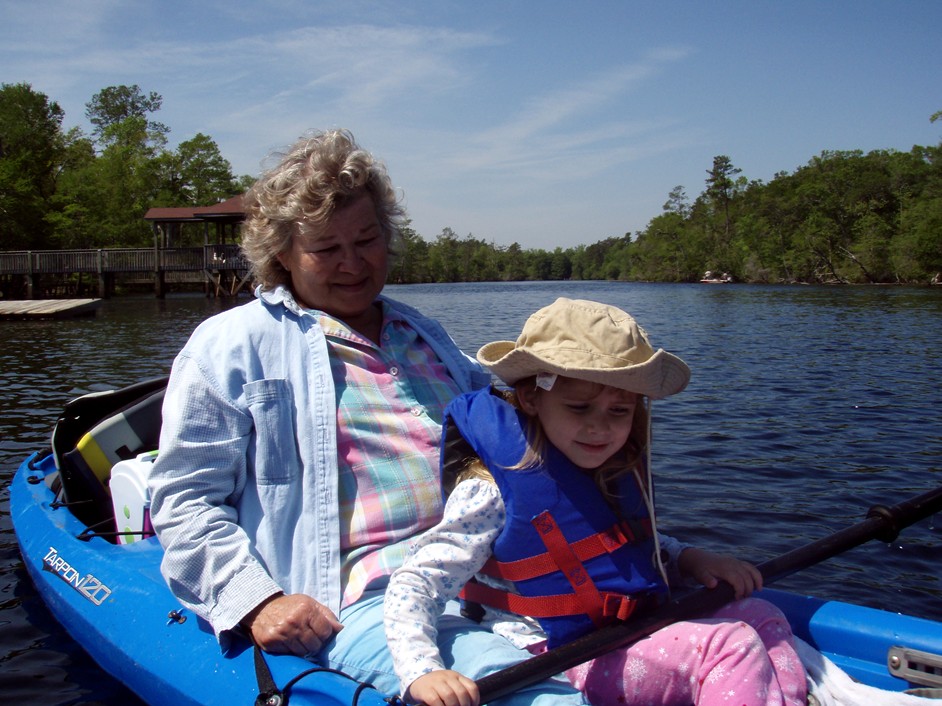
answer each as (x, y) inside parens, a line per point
(244, 489)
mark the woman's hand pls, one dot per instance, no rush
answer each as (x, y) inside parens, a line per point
(709, 569)
(444, 688)
(293, 624)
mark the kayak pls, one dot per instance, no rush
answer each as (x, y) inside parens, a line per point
(98, 571)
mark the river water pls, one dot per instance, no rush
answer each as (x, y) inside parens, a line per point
(807, 406)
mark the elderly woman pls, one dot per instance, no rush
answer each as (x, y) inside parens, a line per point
(299, 448)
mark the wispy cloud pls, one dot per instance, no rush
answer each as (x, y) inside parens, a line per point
(571, 125)
(349, 68)
(364, 67)
(36, 28)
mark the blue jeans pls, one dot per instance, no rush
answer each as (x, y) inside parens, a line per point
(360, 651)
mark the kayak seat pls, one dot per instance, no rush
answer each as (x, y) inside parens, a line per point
(121, 434)
(82, 413)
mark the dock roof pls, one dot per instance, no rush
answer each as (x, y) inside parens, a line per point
(229, 210)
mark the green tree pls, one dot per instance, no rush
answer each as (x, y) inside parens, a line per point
(483, 262)
(592, 258)
(677, 202)
(127, 178)
(916, 253)
(720, 189)
(514, 267)
(619, 259)
(77, 212)
(539, 265)
(31, 152)
(410, 263)
(196, 174)
(114, 105)
(663, 252)
(765, 230)
(561, 265)
(443, 257)
(128, 171)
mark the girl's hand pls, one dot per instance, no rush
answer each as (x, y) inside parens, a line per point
(709, 569)
(444, 688)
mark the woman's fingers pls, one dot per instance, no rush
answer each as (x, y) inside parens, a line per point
(293, 623)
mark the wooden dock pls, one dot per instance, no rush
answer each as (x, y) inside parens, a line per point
(47, 308)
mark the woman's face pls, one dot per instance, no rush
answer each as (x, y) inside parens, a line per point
(588, 422)
(342, 269)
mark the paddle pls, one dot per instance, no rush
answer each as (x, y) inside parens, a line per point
(883, 523)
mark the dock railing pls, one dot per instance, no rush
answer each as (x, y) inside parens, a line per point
(214, 262)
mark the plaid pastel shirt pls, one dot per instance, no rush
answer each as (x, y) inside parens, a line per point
(390, 403)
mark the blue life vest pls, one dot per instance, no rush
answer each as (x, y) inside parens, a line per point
(574, 562)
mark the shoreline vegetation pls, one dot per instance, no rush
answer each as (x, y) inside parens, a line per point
(846, 217)
(64, 289)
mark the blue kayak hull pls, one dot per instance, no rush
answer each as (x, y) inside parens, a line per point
(858, 639)
(114, 602)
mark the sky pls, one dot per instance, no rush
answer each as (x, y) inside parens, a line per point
(541, 122)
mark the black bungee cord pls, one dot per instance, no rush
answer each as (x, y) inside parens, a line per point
(270, 695)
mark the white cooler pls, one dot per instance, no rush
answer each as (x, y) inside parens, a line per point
(130, 497)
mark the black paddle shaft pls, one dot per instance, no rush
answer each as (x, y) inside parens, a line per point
(883, 523)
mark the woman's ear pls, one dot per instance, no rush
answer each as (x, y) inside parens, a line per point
(283, 260)
(526, 397)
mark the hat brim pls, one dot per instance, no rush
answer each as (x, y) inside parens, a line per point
(661, 375)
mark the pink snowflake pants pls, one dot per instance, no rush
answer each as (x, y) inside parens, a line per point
(742, 655)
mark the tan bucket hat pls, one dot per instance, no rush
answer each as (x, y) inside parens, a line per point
(590, 341)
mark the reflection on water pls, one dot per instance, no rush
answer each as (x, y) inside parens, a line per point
(807, 405)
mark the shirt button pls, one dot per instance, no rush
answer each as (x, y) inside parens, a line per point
(416, 411)
(394, 370)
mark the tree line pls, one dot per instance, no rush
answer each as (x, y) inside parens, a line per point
(845, 216)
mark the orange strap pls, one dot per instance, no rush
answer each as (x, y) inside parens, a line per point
(614, 605)
(587, 548)
(566, 558)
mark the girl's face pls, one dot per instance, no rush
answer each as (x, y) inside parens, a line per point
(588, 422)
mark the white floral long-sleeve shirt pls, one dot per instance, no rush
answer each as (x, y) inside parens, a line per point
(442, 560)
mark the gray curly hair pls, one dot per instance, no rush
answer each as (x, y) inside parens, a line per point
(320, 173)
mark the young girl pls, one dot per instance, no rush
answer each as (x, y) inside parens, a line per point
(554, 520)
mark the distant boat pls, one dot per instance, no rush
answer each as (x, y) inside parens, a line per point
(710, 277)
